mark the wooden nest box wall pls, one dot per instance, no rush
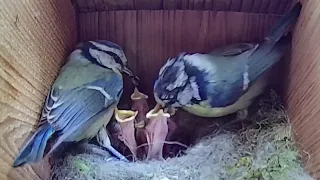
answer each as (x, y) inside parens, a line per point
(36, 37)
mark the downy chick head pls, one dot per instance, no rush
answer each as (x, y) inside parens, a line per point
(177, 85)
(105, 54)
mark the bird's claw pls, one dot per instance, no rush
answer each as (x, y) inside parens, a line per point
(104, 141)
(242, 114)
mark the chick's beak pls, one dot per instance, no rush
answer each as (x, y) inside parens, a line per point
(134, 78)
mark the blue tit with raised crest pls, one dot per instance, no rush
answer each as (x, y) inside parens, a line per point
(226, 80)
(81, 101)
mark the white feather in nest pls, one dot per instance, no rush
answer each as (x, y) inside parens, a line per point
(263, 151)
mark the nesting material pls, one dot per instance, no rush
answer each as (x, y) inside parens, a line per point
(262, 150)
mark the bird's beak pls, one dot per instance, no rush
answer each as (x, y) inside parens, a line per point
(134, 78)
(136, 95)
(166, 107)
(125, 115)
(169, 109)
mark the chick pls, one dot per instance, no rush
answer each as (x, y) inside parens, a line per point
(126, 120)
(156, 132)
(141, 138)
(139, 103)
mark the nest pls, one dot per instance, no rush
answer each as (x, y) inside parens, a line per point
(261, 149)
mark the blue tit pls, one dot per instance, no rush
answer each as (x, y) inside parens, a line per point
(226, 80)
(81, 101)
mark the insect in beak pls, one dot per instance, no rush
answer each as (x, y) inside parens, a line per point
(135, 79)
(169, 109)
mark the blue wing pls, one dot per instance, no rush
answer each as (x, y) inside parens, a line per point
(238, 67)
(69, 109)
(226, 90)
(224, 82)
(67, 112)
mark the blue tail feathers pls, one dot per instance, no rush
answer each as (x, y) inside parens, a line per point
(271, 51)
(288, 19)
(34, 149)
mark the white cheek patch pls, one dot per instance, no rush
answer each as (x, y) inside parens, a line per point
(104, 59)
(246, 80)
(195, 88)
(166, 65)
(185, 96)
(201, 61)
(118, 52)
(181, 77)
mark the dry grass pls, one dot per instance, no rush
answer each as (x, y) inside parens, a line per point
(263, 150)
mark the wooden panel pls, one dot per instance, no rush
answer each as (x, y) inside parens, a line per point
(35, 37)
(303, 85)
(149, 38)
(258, 6)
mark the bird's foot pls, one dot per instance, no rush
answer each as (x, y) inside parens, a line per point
(86, 147)
(240, 117)
(242, 114)
(104, 141)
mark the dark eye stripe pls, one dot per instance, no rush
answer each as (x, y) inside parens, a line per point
(85, 52)
(114, 56)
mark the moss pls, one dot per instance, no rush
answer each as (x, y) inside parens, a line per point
(81, 165)
(264, 150)
(279, 163)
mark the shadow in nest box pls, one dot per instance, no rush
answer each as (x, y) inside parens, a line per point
(190, 128)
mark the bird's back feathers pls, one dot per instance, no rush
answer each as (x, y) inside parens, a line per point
(72, 107)
(236, 67)
(222, 76)
(74, 74)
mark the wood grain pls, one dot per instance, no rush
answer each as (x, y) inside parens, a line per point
(257, 6)
(149, 38)
(35, 37)
(303, 85)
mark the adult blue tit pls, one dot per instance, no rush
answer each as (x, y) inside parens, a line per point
(81, 100)
(226, 80)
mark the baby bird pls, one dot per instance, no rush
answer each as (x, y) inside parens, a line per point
(81, 100)
(228, 79)
(139, 103)
(156, 132)
(126, 120)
